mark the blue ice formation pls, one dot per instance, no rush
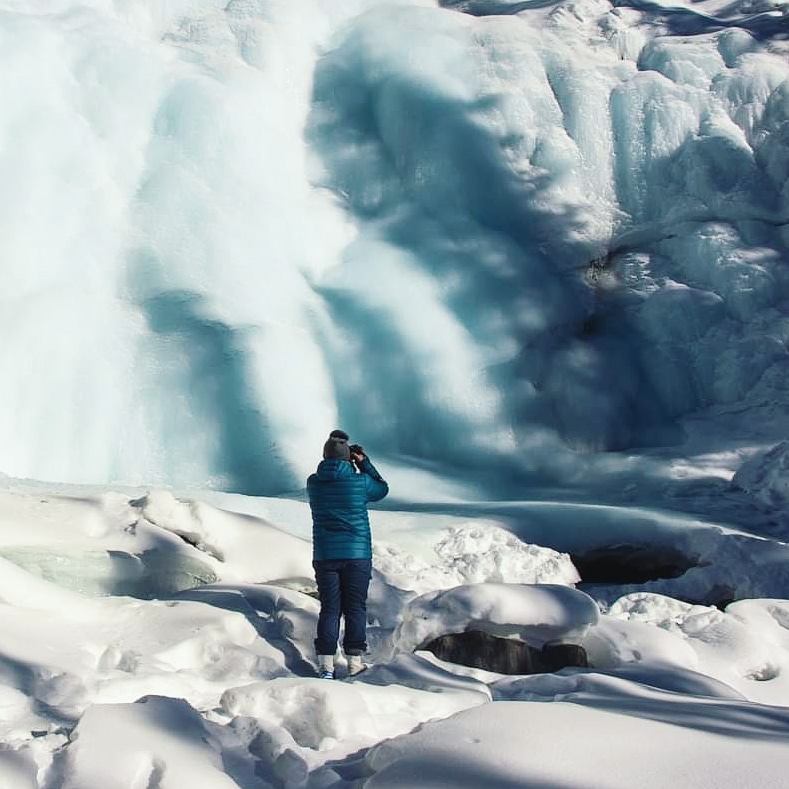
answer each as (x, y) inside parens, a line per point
(474, 233)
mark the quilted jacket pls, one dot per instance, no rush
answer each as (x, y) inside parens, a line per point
(338, 499)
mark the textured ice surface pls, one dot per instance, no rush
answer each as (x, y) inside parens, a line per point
(766, 476)
(472, 553)
(475, 238)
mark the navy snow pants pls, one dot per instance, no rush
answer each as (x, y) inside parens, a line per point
(342, 588)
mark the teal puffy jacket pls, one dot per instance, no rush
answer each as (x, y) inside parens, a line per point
(338, 500)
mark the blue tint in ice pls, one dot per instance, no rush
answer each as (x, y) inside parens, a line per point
(488, 234)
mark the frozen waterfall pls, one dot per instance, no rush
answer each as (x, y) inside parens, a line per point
(483, 233)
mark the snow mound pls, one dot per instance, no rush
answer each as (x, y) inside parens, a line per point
(115, 650)
(96, 545)
(312, 718)
(638, 683)
(285, 618)
(746, 646)
(18, 769)
(476, 552)
(148, 575)
(251, 549)
(144, 742)
(505, 744)
(481, 553)
(532, 614)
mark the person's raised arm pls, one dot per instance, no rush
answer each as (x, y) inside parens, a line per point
(375, 484)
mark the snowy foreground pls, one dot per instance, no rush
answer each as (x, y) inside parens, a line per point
(155, 641)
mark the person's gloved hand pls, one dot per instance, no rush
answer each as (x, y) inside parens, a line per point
(357, 453)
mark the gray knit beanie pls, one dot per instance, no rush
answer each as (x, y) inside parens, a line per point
(337, 446)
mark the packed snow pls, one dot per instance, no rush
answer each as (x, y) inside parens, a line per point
(534, 614)
(157, 640)
(533, 255)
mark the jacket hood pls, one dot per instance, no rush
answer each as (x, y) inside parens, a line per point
(334, 468)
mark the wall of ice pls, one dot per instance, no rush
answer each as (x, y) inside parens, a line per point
(229, 226)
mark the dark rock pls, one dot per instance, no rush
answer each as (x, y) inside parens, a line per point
(557, 656)
(476, 649)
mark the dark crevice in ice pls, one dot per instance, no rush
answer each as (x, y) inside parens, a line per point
(631, 564)
(719, 596)
(196, 541)
(495, 7)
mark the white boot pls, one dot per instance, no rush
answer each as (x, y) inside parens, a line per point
(355, 665)
(326, 666)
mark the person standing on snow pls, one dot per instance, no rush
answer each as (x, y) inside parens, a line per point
(339, 491)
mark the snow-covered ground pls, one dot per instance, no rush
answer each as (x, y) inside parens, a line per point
(166, 641)
(532, 254)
